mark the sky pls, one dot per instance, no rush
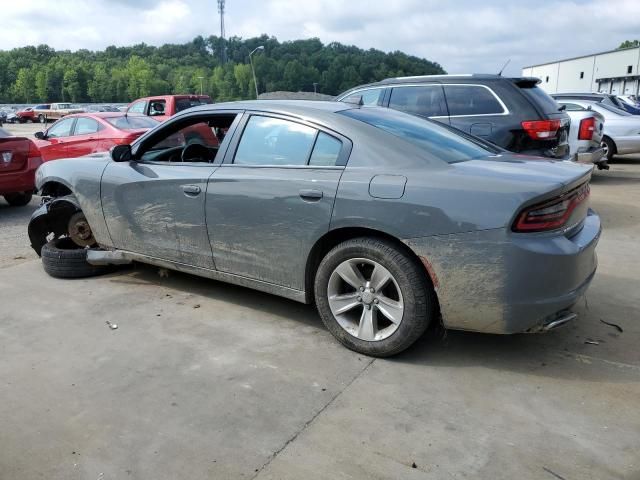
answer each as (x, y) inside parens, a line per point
(464, 36)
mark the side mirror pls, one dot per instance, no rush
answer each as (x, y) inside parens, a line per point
(121, 153)
(40, 135)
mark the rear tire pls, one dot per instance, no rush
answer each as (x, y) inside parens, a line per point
(42, 118)
(19, 199)
(610, 148)
(61, 258)
(406, 296)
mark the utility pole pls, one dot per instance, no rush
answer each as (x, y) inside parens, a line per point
(253, 70)
(315, 87)
(223, 40)
(201, 86)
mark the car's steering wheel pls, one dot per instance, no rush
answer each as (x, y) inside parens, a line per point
(195, 151)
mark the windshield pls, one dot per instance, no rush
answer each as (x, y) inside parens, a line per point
(127, 122)
(441, 142)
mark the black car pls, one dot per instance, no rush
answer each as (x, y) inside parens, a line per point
(513, 113)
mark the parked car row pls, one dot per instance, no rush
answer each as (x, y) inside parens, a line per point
(78, 134)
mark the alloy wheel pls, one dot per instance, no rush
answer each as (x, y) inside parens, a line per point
(365, 299)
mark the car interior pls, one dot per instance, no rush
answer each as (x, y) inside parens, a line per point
(194, 142)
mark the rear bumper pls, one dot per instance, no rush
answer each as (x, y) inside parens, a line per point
(21, 180)
(625, 145)
(494, 281)
(590, 156)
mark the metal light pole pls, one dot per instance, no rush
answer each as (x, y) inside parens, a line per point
(201, 88)
(315, 87)
(255, 83)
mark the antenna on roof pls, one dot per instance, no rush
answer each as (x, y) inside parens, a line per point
(504, 66)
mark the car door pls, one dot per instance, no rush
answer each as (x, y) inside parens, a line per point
(475, 109)
(155, 205)
(84, 139)
(55, 141)
(425, 100)
(273, 197)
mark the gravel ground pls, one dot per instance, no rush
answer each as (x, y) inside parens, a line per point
(14, 241)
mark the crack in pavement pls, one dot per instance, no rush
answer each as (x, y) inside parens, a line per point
(312, 419)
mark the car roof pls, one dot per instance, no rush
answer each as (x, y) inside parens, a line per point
(277, 106)
(462, 77)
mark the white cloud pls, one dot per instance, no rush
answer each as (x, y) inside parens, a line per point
(463, 36)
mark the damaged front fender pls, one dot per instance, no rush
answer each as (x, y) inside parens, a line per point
(51, 218)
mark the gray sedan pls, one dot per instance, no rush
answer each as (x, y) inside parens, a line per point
(387, 222)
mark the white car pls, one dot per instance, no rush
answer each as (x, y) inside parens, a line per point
(621, 129)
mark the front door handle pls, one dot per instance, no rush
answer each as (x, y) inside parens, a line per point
(191, 190)
(311, 195)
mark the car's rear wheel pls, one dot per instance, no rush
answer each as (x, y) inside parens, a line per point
(42, 118)
(19, 199)
(609, 148)
(62, 258)
(373, 297)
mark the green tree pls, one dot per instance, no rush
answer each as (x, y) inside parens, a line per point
(629, 44)
(24, 87)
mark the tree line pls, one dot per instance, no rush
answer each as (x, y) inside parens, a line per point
(121, 74)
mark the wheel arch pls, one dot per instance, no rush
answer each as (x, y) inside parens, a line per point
(55, 188)
(332, 238)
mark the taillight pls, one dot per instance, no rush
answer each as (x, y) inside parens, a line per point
(541, 129)
(587, 127)
(552, 214)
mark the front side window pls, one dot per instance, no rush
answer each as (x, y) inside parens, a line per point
(196, 141)
(61, 128)
(436, 140)
(137, 107)
(157, 107)
(471, 100)
(371, 97)
(426, 101)
(86, 126)
(273, 141)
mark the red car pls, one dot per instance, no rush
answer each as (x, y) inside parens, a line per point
(19, 160)
(164, 107)
(84, 133)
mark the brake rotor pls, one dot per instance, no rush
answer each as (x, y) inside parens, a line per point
(80, 231)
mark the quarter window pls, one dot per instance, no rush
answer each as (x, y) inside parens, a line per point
(61, 129)
(426, 101)
(86, 126)
(273, 141)
(471, 100)
(371, 97)
(326, 151)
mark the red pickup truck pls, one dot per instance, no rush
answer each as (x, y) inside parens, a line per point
(164, 106)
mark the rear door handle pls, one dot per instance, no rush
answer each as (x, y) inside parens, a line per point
(311, 195)
(191, 190)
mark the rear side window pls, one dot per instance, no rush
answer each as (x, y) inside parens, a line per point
(471, 100)
(438, 141)
(86, 126)
(184, 103)
(128, 122)
(273, 141)
(539, 98)
(326, 151)
(370, 97)
(426, 101)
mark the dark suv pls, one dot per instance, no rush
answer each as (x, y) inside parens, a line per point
(513, 113)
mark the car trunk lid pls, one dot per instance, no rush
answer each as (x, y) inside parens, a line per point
(14, 152)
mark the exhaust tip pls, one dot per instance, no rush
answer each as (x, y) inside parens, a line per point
(560, 321)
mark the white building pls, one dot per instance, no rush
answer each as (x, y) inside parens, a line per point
(615, 71)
